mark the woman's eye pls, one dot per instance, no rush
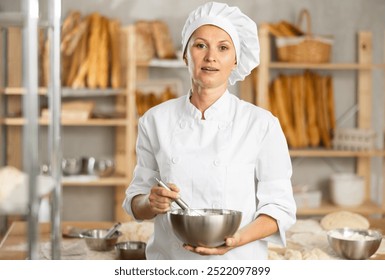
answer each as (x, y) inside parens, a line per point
(223, 48)
(201, 45)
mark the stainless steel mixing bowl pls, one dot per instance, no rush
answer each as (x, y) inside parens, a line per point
(95, 239)
(210, 229)
(355, 244)
(131, 250)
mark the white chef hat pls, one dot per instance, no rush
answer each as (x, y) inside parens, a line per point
(242, 30)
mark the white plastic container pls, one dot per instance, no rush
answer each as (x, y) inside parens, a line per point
(309, 199)
(306, 196)
(347, 189)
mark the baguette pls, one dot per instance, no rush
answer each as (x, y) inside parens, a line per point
(114, 34)
(102, 57)
(79, 81)
(77, 59)
(290, 28)
(96, 25)
(71, 40)
(323, 122)
(72, 19)
(330, 101)
(298, 109)
(283, 115)
(311, 112)
(285, 29)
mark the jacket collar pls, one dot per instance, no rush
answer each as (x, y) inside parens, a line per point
(220, 110)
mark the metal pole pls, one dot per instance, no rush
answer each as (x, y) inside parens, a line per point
(54, 95)
(30, 132)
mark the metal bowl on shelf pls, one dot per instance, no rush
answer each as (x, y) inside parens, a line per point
(71, 166)
(103, 167)
(355, 244)
(208, 228)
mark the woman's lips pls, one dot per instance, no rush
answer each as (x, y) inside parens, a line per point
(209, 69)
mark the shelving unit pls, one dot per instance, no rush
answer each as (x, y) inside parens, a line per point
(364, 68)
(28, 23)
(125, 127)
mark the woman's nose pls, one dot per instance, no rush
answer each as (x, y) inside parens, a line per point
(210, 56)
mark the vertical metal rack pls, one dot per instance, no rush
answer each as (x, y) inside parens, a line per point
(29, 20)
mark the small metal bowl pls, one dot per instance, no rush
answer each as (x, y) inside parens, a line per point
(95, 239)
(104, 167)
(131, 250)
(71, 166)
(354, 244)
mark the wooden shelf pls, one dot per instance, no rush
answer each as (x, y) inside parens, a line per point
(335, 153)
(100, 182)
(364, 68)
(325, 66)
(367, 208)
(68, 92)
(162, 63)
(90, 122)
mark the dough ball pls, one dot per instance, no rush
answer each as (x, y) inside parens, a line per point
(342, 219)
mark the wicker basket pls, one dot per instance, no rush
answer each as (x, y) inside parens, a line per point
(307, 48)
(354, 139)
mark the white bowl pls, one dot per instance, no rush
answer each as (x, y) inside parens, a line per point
(347, 189)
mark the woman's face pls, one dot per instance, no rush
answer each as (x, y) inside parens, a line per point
(210, 57)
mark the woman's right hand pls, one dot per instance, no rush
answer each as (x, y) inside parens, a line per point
(160, 199)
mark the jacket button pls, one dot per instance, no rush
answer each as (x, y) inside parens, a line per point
(217, 162)
(216, 205)
(222, 126)
(175, 160)
(182, 124)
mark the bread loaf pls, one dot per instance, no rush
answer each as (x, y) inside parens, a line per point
(163, 41)
(144, 41)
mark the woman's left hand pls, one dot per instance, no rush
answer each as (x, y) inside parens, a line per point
(231, 243)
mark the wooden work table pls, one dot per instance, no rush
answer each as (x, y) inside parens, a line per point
(14, 244)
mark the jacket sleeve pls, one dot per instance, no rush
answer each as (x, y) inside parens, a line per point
(274, 190)
(145, 170)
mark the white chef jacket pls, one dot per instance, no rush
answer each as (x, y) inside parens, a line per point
(237, 158)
